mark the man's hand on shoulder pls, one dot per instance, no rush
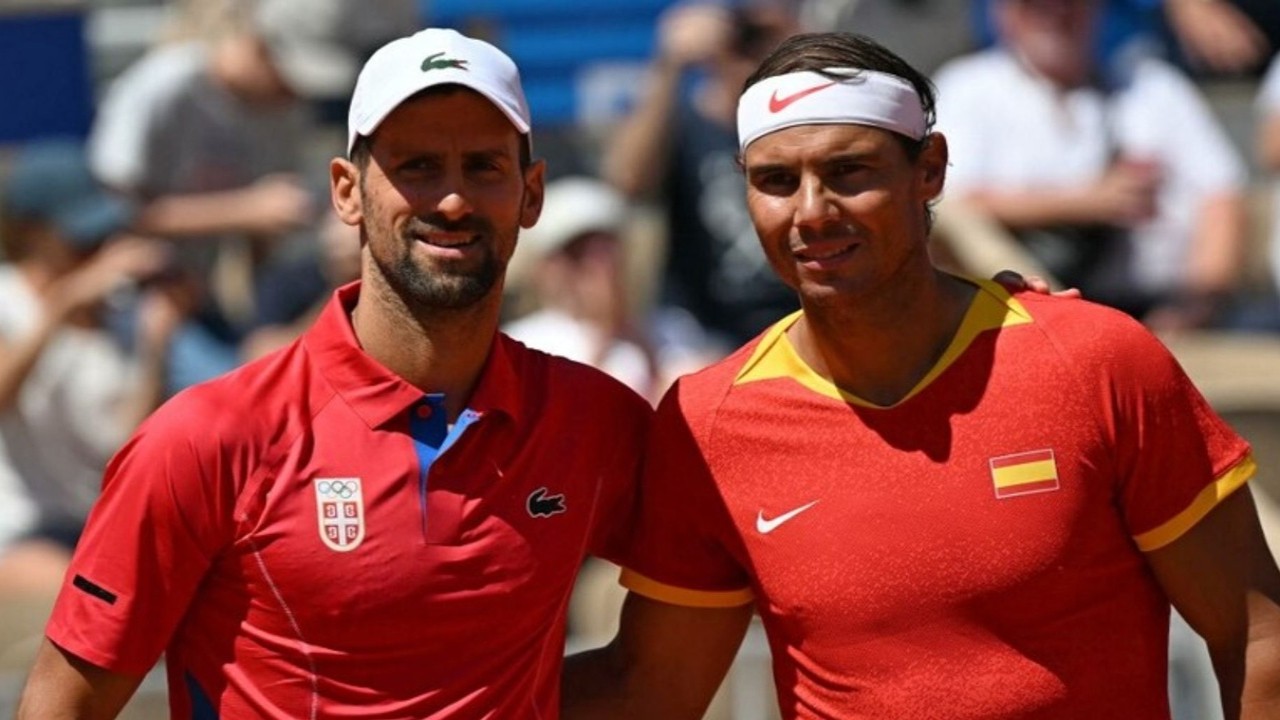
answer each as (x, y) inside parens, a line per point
(1014, 281)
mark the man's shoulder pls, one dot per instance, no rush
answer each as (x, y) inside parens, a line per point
(1147, 70)
(168, 70)
(699, 394)
(145, 103)
(1092, 336)
(982, 69)
(720, 375)
(251, 405)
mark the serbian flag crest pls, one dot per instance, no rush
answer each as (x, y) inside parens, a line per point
(1024, 473)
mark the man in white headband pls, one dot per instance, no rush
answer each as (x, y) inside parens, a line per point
(384, 519)
(943, 500)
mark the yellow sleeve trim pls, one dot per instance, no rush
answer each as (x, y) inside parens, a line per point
(655, 590)
(1208, 499)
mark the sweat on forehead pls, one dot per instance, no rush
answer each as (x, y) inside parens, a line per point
(846, 96)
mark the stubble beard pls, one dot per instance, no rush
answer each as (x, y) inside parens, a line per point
(440, 288)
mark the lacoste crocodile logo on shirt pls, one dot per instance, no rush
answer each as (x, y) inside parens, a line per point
(765, 526)
(778, 104)
(543, 505)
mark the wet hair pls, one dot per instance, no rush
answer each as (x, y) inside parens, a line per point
(816, 52)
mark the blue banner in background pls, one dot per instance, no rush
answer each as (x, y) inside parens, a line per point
(46, 86)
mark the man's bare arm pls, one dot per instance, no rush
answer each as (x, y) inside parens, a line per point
(667, 661)
(1223, 579)
(64, 687)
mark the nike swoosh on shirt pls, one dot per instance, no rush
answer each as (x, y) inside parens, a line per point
(764, 527)
(778, 104)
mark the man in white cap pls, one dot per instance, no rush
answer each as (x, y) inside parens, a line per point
(384, 519)
(574, 268)
(209, 137)
(944, 500)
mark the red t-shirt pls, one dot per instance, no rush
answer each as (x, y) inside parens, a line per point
(975, 547)
(303, 539)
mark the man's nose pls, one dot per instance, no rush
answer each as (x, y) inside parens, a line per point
(813, 204)
(454, 205)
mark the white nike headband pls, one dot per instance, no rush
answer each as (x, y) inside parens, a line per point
(864, 97)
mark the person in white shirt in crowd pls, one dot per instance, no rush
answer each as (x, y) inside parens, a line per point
(70, 390)
(206, 136)
(573, 262)
(1268, 153)
(1119, 178)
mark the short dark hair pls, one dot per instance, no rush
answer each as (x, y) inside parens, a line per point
(816, 52)
(362, 148)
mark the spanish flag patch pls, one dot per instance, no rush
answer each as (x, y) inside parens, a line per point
(1024, 473)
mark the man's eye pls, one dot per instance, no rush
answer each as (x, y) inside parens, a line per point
(417, 165)
(774, 182)
(484, 166)
(847, 168)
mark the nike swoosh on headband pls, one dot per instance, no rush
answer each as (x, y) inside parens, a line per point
(777, 104)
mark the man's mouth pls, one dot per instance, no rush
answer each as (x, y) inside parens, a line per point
(824, 252)
(449, 239)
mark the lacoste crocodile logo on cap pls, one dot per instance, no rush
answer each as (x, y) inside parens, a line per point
(431, 63)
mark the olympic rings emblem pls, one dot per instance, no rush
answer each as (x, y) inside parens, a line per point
(340, 512)
(338, 488)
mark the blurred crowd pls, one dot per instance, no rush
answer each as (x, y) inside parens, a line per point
(190, 231)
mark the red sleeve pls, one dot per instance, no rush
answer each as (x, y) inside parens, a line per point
(163, 515)
(680, 547)
(1176, 458)
(615, 509)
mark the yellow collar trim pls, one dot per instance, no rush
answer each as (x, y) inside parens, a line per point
(775, 357)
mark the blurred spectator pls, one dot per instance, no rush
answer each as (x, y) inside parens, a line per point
(318, 45)
(681, 143)
(70, 393)
(204, 135)
(207, 135)
(292, 290)
(1127, 188)
(1268, 152)
(925, 33)
(1212, 37)
(572, 260)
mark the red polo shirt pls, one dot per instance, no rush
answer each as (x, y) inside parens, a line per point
(306, 537)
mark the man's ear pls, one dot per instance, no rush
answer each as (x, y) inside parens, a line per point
(932, 164)
(534, 192)
(344, 190)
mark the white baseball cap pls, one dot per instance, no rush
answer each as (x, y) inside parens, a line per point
(572, 207)
(431, 57)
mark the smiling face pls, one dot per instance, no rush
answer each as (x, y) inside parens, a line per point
(841, 209)
(441, 199)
